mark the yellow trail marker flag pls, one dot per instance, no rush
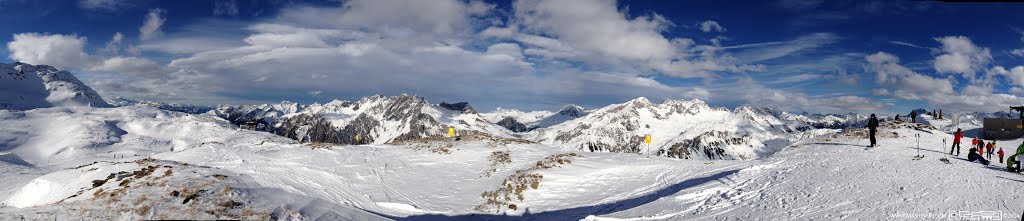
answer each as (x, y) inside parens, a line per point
(647, 139)
(357, 137)
(451, 131)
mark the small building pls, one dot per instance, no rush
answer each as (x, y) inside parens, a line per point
(1002, 129)
(249, 125)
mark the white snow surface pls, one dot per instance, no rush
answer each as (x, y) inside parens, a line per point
(48, 155)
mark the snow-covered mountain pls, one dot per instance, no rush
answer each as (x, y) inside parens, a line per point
(186, 108)
(518, 121)
(831, 121)
(376, 119)
(24, 86)
(679, 129)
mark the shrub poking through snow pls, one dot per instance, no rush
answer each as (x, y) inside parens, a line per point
(512, 187)
(497, 159)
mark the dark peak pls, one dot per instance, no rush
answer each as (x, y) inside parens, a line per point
(459, 106)
(572, 110)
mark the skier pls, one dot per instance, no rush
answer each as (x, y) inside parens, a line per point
(1000, 155)
(872, 128)
(981, 148)
(897, 119)
(956, 142)
(913, 117)
(973, 155)
(991, 148)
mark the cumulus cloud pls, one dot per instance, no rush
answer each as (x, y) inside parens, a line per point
(1015, 74)
(977, 95)
(711, 26)
(907, 83)
(61, 51)
(67, 52)
(960, 55)
(151, 26)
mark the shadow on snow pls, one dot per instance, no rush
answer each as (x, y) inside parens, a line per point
(578, 212)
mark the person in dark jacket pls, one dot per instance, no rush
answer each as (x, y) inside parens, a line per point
(872, 128)
(913, 117)
(973, 155)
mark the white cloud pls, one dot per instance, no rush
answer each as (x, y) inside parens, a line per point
(151, 26)
(1018, 52)
(508, 49)
(960, 55)
(131, 66)
(597, 26)
(61, 51)
(771, 50)
(1015, 74)
(908, 84)
(114, 45)
(796, 78)
(711, 26)
(66, 52)
(880, 92)
(104, 5)
(976, 96)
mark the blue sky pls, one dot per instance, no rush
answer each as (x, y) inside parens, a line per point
(815, 56)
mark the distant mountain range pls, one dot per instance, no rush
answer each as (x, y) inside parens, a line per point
(678, 128)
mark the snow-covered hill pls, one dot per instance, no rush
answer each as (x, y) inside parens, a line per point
(679, 128)
(376, 119)
(518, 121)
(66, 163)
(24, 86)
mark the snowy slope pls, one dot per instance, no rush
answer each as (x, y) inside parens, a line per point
(517, 115)
(376, 119)
(24, 86)
(679, 128)
(831, 176)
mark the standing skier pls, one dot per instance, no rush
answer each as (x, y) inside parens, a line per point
(956, 142)
(981, 148)
(872, 128)
(991, 148)
(913, 117)
(1000, 155)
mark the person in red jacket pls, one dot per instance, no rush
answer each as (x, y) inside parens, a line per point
(956, 141)
(981, 148)
(990, 148)
(1000, 155)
